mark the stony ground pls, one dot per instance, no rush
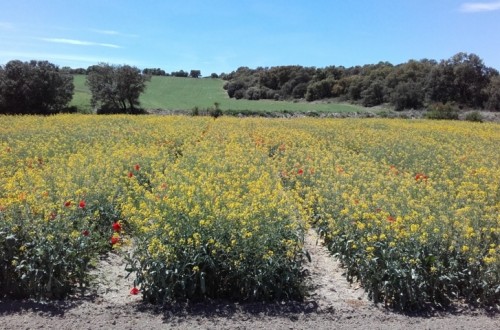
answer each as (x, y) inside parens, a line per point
(332, 304)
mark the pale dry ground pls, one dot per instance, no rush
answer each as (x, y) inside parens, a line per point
(331, 304)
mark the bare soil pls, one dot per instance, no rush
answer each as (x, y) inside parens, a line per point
(332, 303)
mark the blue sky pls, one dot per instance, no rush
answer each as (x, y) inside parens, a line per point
(222, 35)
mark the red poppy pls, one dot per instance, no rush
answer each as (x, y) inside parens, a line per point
(137, 167)
(115, 240)
(116, 226)
(391, 218)
(420, 177)
(134, 291)
(67, 203)
(85, 233)
(300, 171)
(130, 174)
(82, 204)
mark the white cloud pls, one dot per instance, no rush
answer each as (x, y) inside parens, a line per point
(113, 33)
(108, 32)
(79, 42)
(475, 7)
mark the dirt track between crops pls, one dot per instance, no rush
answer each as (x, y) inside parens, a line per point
(332, 304)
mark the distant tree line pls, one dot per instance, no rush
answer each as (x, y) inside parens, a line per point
(463, 79)
(40, 87)
(154, 72)
(146, 71)
(180, 73)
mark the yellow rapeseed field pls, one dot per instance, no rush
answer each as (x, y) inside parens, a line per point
(219, 208)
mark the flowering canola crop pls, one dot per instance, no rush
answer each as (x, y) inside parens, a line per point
(219, 208)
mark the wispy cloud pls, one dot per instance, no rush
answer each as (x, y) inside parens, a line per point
(475, 7)
(108, 32)
(79, 42)
(113, 33)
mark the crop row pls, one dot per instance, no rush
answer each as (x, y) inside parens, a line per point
(219, 208)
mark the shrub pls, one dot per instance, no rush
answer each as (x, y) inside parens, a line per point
(475, 116)
(215, 112)
(442, 111)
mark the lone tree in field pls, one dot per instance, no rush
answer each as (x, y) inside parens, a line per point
(116, 89)
(35, 87)
(195, 74)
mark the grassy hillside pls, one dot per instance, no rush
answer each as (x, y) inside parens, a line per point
(81, 96)
(172, 93)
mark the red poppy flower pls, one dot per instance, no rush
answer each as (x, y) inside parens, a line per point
(82, 204)
(300, 171)
(130, 174)
(116, 226)
(134, 291)
(137, 167)
(85, 233)
(391, 218)
(420, 177)
(67, 203)
(115, 240)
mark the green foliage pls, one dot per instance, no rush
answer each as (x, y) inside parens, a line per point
(474, 116)
(195, 73)
(116, 89)
(462, 79)
(215, 112)
(407, 95)
(179, 74)
(442, 111)
(319, 90)
(374, 94)
(154, 72)
(204, 269)
(35, 87)
(43, 258)
(493, 92)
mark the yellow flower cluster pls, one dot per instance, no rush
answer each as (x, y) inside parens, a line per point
(238, 194)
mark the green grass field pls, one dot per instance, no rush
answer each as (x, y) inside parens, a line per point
(172, 93)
